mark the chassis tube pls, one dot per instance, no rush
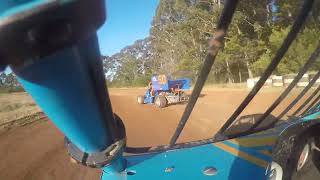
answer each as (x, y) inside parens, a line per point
(64, 86)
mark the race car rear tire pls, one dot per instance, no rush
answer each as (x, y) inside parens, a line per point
(140, 99)
(301, 159)
(160, 101)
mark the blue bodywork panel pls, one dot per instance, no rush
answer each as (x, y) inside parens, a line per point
(183, 84)
(241, 159)
(312, 114)
(162, 83)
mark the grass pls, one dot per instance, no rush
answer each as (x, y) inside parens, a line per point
(16, 105)
(6, 90)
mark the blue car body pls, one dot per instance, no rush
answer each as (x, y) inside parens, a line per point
(161, 84)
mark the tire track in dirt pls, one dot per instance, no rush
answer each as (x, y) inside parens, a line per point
(36, 152)
(145, 124)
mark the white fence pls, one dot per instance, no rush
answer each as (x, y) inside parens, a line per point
(283, 81)
(277, 81)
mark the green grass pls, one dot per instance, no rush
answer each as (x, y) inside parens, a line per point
(16, 105)
(6, 90)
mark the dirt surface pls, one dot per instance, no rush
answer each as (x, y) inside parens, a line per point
(36, 152)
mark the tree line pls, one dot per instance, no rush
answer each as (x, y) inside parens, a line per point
(9, 83)
(179, 36)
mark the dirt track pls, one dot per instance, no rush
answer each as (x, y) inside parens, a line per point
(36, 151)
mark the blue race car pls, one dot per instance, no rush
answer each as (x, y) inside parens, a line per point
(162, 91)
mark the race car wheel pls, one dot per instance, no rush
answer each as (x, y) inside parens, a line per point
(301, 161)
(140, 99)
(160, 101)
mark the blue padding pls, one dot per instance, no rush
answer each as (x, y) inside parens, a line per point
(61, 85)
(12, 7)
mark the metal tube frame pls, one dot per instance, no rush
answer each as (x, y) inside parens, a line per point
(301, 94)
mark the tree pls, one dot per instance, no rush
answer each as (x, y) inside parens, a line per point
(131, 66)
(298, 53)
(179, 36)
(3, 76)
(11, 81)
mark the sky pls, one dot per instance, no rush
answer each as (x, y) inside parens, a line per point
(127, 21)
